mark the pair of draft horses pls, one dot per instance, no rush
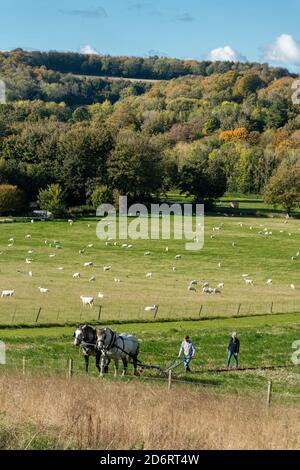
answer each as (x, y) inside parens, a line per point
(107, 345)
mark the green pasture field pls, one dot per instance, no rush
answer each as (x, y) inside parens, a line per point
(266, 342)
(261, 257)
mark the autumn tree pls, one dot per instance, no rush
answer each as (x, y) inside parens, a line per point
(284, 188)
(11, 198)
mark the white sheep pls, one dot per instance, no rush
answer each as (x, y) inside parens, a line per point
(100, 295)
(87, 301)
(147, 253)
(221, 285)
(81, 251)
(90, 245)
(29, 261)
(30, 274)
(117, 280)
(106, 268)
(194, 282)
(205, 285)
(92, 279)
(7, 293)
(88, 264)
(178, 257)
(152, 308)
(270, 282)
(76, 275)
(43, 290)
(293, 286)
(249, 282)
(149, 275)
(192, 288)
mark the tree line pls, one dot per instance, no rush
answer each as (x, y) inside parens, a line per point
(233, 130)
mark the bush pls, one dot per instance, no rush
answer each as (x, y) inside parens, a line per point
(11, 198)
(51, 200)
(102, 195)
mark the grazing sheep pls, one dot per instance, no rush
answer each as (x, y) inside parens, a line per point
(92, 279)
(293, 286)
(76, 275)
(149, 275)
(178, 257)
(215, 291)
(167, 249)
(30, 252)
(270, 282)
(117, 280)
(81, 251)
(125, 246)
(52, 256)
(152, 308)
(245, 275)
(174, 269)
(88, 264)
(249, 282)
(29, 261)
(206, 284)
(207, 290)
(30, 274)
(90, 245)
(147, 253)
(28, 236)
(43, 290)
(129, 246)
(193, 282)
(87, 301)
(192, 288)
(100, 295)
(60, 268)
(221, 285)
(219, 265)
(7, 293)
(106, 268)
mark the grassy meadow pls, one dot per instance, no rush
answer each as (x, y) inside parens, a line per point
(262, 257)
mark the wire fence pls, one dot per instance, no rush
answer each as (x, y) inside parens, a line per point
(11, 315)
(69, 368)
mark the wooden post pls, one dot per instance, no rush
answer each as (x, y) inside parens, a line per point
(24, 365)
(170, 380)
(14, 315)
(99, 313)
(200, 311)
(271, 310)
(269, 395)
(70, 368)
(238, 310)
(155, 313)
(38, 315)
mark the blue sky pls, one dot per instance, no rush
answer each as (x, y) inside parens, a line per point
(260, 30)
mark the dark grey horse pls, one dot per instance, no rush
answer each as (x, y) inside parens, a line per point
(86, 337)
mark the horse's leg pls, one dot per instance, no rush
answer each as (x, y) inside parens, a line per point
(125, 364)
(86, 360)
(116, 359)
(135, 364)
(98, 356)
(102, 366)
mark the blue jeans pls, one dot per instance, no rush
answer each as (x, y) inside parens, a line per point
(229, 356)
(187, 361)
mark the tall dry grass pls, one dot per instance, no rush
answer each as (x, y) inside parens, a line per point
(41, 412)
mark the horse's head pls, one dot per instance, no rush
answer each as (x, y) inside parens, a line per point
(78, 336)
(104, 338)
(85, 334)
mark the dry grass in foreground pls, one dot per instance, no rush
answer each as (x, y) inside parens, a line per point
(82, 413)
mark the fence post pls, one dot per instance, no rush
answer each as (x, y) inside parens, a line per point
(155, 313)
(239, 308)
(269, 395)
(58, 313)
(38, 315)
(170, 380)
(70, 368)
(271, 310)
(14, 315)
(200, 311)
(24, 365)
(99, 313)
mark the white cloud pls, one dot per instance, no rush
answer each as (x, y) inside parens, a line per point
(88, 49)
(227, 54)
(285, 50)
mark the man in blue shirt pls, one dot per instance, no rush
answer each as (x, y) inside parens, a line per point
(188, 350)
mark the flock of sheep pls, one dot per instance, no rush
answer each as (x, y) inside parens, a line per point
(192, 285)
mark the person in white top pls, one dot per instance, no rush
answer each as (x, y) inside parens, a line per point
(188, 350)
